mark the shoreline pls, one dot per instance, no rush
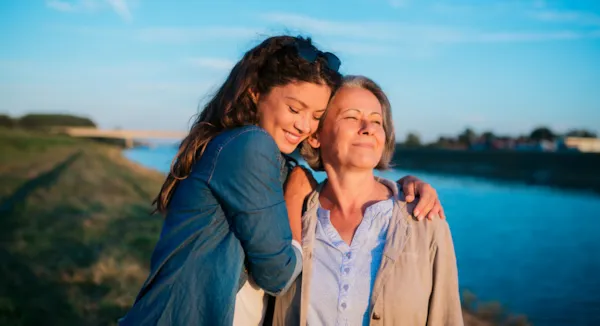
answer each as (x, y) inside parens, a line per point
(564, 171)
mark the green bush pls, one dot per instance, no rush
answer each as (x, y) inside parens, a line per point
(37, 121)
(6, 121)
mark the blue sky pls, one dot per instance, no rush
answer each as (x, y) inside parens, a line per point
(505, 66)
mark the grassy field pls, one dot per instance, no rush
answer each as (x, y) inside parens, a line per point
(77, 235)
(75, 229)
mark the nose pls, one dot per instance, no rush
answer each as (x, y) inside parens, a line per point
(367, 128)
(303, 123)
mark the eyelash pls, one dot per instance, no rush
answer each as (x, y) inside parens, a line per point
(296, 112)
(377, 122)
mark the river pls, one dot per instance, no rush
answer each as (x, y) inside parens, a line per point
(535, 250)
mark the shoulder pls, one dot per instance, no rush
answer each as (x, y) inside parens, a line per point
(241, 150)
(424, 229)
(243, 143)
(246, 139)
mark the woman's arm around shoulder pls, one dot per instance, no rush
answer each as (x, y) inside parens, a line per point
(246, 181)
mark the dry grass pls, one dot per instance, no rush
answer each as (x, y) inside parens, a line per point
(75, 227)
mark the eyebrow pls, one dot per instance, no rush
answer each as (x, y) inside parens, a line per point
(297, 100)
(304, 104)
(359, 111)
(350, 109)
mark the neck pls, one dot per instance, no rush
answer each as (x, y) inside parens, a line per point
(350, 190)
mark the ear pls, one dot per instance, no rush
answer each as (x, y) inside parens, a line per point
(313, 141)
(254, 95)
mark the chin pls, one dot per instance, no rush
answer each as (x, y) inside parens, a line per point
(366, 164)
(285, 147)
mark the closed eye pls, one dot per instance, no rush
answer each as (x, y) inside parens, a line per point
(293, 110)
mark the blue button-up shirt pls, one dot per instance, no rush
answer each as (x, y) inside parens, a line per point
(345, 274)
(226, 219)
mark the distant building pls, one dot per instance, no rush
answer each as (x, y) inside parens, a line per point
(588, 145)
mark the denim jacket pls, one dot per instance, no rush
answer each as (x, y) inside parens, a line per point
(227, 218)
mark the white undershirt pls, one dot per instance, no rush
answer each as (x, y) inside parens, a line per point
(251, 302)
(250, 305)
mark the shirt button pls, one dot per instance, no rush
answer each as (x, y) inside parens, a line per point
(348, 255)
(343, 305)
(376, 316)
(347, 270)
(346, 287)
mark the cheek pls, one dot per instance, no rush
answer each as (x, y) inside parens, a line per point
(380, 136)
(273, 116)
(265, 114)
(314, 124)
(343, 136)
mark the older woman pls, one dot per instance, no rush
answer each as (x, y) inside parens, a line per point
(373, 262)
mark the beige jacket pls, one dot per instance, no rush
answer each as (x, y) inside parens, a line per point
(417, 282)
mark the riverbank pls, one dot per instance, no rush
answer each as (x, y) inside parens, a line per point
(76, 231)
(77, 236)
(568, 170)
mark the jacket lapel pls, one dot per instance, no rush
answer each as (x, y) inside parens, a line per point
(309, 225)
(398, 234)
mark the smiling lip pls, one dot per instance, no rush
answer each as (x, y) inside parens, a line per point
(292, 138)
(364, 145)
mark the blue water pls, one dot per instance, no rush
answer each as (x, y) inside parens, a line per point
(535, 250)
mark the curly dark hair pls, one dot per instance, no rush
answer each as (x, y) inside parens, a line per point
(274, 62)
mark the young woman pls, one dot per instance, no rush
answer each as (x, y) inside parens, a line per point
(367, 260)
(226, 236)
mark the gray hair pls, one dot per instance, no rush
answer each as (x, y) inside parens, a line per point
(312, 156)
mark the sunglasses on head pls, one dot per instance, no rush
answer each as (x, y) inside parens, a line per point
(310, 53)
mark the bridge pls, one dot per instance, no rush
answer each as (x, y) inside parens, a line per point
(128, 136)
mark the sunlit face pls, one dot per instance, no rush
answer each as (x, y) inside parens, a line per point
(291, 113)
(352, 135)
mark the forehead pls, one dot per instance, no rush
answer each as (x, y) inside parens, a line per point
(349, 97)
(315, 96)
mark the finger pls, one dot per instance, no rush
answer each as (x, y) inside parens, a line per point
(427, 210)
(435, 210)
(409, 191)
(442, 213)
(424, 206)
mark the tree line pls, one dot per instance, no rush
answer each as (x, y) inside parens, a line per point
(469, 137)
(43, 121)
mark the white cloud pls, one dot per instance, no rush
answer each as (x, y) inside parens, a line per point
(193, 34)
(188, 88)
(398, 3)
(361, 48)
(402, 34)
(212, 63)
(452, 9)
(120, 7)
(576, 17)
(500, 37)
(539, 4)
(60, 5)
(332, 28)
